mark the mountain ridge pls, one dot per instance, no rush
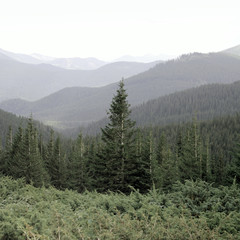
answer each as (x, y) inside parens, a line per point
(204, 103)
(32, 82)
(74, 106)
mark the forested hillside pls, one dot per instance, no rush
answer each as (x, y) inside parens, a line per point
(205, 102)
(160, 155)
(9, 121)
(119, 120)
(72, 107)
(234, 51)
(170, 175)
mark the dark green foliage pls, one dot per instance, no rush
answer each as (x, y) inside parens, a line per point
(5, 166)
(118, 153)
(233, 171)
(56, 163)
(123, 157)
(141, 177)
(77, 166)
(21, 157)
(190, 163)
(165, 167)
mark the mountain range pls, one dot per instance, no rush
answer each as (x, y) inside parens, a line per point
(77, 63)
(34, 81)
(73, 106)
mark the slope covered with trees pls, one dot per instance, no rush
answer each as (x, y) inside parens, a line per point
(205, 102)
(73, 107)
(169, 181)
(9, 120)
(125, 156)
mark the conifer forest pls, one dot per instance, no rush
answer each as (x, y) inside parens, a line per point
(172, 181)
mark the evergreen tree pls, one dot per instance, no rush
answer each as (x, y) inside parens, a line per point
(26, 159)
(56, 164)
(191, 162)
(99, 171)
(166, 168)
(17, 154)
(234, 168)
(207, 162)
(49, 154)
(77, 170)
(92, 172)
(6, 157)
(144, 163)
(119, 151)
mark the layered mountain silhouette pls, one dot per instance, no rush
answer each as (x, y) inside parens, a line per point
(71, 107)
(77, 63)
(34, 81)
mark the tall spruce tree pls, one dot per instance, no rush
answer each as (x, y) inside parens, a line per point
(233, 171)
(5, 166)
(145, 163)
(118, 151)
(27, 160)
(77, 170)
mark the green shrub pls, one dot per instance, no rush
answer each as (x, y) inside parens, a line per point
(194, 210)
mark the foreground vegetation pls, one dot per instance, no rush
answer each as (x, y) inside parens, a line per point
(127, 184)
(193, 210)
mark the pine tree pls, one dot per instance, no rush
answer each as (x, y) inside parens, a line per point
(119, 150)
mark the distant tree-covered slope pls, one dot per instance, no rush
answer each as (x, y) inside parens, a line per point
(234, 51)
(10, 120)
(72, 107)
(205, 102)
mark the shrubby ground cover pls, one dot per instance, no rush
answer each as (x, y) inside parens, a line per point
(193, 210)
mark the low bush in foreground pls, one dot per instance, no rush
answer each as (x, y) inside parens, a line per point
(194, 210)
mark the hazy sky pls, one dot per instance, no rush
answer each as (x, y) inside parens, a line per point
(108, 29)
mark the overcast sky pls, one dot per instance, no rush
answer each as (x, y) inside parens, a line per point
(108, 29)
